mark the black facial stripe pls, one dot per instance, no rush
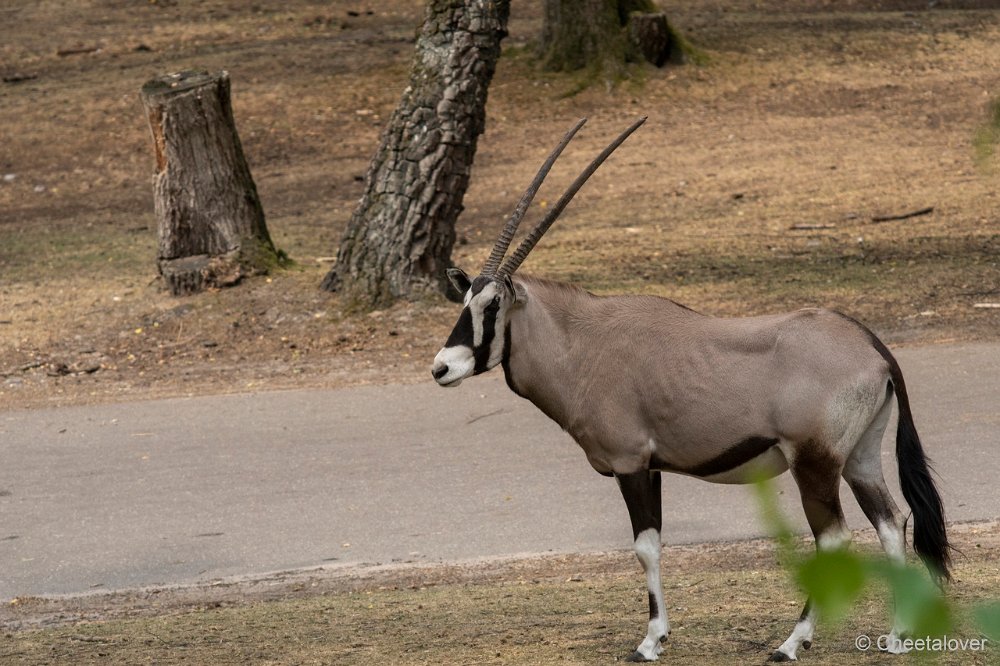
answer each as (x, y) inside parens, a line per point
(462, 334)
(482, 352)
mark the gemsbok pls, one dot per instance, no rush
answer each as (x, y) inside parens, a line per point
(645, 385)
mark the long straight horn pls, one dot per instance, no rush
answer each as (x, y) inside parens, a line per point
(513, 261)
(507, 234)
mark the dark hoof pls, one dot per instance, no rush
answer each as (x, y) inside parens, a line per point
(636, 657)
(807, 644)
(778, 655)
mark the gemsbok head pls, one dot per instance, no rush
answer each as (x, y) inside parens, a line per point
(645, 385)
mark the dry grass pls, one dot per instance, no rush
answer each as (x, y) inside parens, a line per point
(728, 603)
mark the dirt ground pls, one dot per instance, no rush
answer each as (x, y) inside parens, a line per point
(727, 603)
(806, 113)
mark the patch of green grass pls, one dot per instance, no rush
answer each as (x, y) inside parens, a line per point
(33, 254)
(39, 254)
(882, 282)
(987, 137)
(688, 52)
(814, 269)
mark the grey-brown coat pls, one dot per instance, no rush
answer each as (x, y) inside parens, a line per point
(646, 385)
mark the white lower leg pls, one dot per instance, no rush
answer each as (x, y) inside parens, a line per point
(802, 635)
(647, 549)
(894, 544)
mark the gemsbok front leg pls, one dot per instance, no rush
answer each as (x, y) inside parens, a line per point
(641, 491)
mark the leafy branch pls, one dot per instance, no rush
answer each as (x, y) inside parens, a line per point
(835, 579)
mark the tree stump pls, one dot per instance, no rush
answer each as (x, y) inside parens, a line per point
(604, 35)
(209, 219)
(652, 36)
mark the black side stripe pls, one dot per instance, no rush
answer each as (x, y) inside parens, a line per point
(734, 456)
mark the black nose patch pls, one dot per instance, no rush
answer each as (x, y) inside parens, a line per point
(440, 372)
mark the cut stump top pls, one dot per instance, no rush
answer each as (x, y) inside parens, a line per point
(178, 82)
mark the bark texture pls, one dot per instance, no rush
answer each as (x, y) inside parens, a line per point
(209, 219)
(654, 39)
(398, 242)
(603, 35)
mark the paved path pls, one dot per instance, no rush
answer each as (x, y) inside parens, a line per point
(187, 490)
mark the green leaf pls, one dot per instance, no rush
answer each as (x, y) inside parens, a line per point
(767, 500)
(920, 605)
(833, 580)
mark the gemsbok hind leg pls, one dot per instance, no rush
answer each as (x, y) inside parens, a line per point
(863, 473)
(817, 473)
(641, 491)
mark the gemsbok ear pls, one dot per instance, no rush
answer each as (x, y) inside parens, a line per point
(520, 295)
(459, 279)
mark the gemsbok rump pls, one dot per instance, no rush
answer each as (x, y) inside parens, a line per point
(645, 385)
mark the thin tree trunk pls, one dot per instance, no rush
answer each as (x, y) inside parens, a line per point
(398, 242)
(209, 218)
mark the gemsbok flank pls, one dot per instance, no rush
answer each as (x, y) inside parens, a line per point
(645, 385)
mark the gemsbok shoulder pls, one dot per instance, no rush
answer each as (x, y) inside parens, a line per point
(645, 385)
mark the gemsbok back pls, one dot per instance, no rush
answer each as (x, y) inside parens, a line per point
(645, 385)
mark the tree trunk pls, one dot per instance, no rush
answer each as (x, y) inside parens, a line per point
(399, 239)
(604, 35)
(209, 218)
